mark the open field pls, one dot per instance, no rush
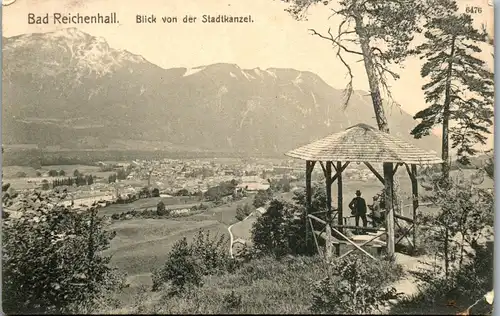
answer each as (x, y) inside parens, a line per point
(170, 203)
(31, 181)
(142, 245)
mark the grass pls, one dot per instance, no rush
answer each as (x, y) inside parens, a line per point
(264, 286)
(225, 214)
(243, 229)
(261, 286)
(141, 245)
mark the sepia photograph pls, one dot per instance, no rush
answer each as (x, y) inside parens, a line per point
(248, 157)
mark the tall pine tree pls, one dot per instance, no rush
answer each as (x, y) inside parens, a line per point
(460, 87)
(379, 32)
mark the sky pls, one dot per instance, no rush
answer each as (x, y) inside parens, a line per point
(274, 39)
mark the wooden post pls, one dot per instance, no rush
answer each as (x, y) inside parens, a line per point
(388, 185)
(340, 199)
(414, 190)
(309, 169)
(328, 183)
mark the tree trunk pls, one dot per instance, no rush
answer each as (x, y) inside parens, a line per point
(446, 117)
(383, 125)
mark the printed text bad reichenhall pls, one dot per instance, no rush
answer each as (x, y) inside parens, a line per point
(60, 18)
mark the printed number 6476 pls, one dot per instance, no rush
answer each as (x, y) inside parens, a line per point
(473, 10)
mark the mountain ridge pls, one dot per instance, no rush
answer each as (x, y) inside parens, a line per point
(71, 89)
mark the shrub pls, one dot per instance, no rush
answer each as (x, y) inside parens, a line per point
(357, 285)
(180, 269)
(281, 231)
(21, 174)
(465, 209)
(463, 286)
(262, 286)
(232, 301)
(202, 206)
(161, 210)
(261, 198)
(53, 173)
(243, 212)
(52, 259)
(45, 185)
(188, 263)
(155, 192)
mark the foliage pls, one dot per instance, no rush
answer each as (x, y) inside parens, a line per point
(155, 192)
(8, 195)
(318, 199)
(78, 181)
(45, 185)
(261, 198)
(489, 167)
(38, 174)
(463, 286)
(243, 211)
(21, 174)
(281, 185)
(281, 231)
(161, 209)
(465, 210)
(112, 178)
(144, 193)
(157, 213)
(53, 173)
(122, 174)
(52, 257)
(318, 202)
(61, 173)
(76, 173)
(182, 192)
(222, 190)
(460, 87)
(188, 263)
(356, 285)
(261, 286)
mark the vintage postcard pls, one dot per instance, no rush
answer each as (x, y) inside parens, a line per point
(263, 156)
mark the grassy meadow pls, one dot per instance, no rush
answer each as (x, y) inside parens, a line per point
(142, 245)
(174, 202)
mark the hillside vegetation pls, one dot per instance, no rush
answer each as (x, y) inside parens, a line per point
(190, 270)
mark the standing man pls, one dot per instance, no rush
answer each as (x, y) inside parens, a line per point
(358, 208)
(376, 215)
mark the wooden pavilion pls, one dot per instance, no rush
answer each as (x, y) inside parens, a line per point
(362, 143)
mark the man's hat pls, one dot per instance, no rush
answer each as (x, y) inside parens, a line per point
(375, 197)
(358, 192)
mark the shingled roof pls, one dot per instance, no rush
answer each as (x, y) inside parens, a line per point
(364, 143)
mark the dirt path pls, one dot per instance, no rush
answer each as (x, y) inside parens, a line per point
(407, 286)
